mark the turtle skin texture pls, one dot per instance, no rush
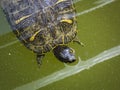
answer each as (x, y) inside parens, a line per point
(41, 25)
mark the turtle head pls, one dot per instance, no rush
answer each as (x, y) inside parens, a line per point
(64, 53)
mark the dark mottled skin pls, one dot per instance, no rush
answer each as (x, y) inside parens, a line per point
(44, 17)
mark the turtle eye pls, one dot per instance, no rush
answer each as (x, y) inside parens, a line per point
(72, 50)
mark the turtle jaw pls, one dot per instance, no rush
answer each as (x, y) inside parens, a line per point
(64, 54)
(71, 59)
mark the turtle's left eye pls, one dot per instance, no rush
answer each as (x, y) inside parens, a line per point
(71, 50)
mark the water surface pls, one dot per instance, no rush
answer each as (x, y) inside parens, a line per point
(98, 30)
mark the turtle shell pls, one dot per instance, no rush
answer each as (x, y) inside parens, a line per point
(41, 25)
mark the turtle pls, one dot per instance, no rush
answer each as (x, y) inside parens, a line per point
(44, 26)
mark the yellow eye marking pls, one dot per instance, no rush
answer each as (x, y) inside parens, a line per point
(22, 18)
(59, 1)
(72, 51)
(33, 36)
(67, 21)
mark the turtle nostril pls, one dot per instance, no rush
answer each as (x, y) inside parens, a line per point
(71, 61)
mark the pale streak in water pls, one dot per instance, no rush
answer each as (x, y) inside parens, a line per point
(71, 70)
(6, 45)
(101, 2)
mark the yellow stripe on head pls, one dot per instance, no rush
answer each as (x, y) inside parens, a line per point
(59, 1)
(67, 21)
(22, 18)
(33, 36)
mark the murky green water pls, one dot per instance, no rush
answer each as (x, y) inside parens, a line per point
(98, 30)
